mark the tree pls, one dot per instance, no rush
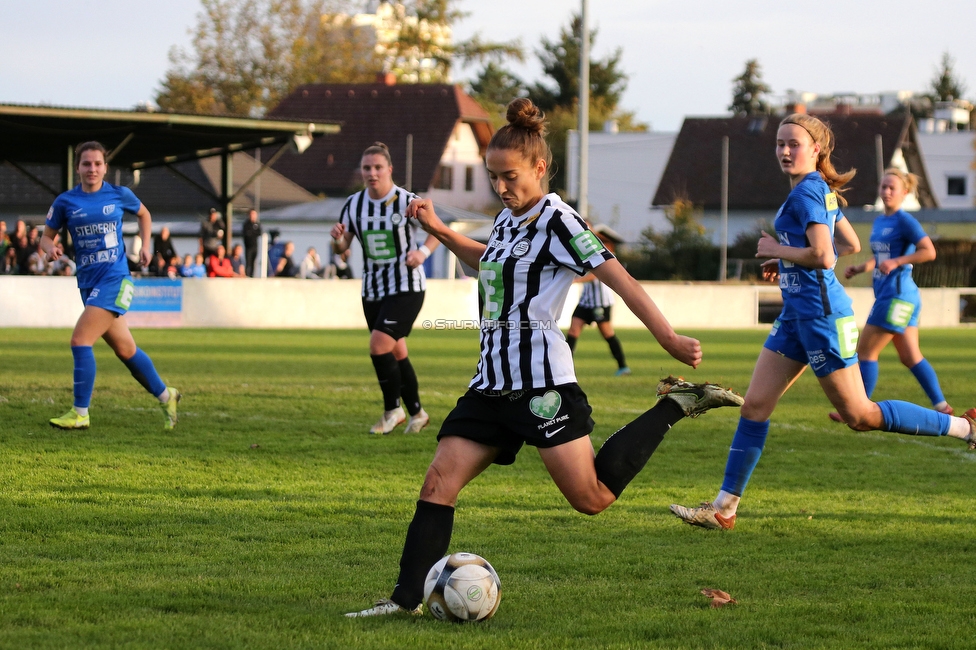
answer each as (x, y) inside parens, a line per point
(246, 55)
(494, 88)
(945, 85)
(561, 63)
(684, 253)
(559, 98)
(747, 94)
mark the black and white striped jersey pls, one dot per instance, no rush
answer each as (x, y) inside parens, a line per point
(386, 237)
(595, 294)
(523, 279)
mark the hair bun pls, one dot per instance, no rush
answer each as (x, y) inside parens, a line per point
(523, 114)
(380, 145)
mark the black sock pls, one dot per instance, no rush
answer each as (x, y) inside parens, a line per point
(625, 453)
(617, 351)
(388, 374)
(572, 342)
(428, 538)
(409, 388)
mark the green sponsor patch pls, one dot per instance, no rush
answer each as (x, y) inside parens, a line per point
(900, 312)
(379, 245)
(546, 406)
(586, 244)
(847, 336)
(492, 289)
(126, 292)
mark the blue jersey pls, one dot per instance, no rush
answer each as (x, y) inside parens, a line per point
(808, 293)
(892, 237)
(94, 220)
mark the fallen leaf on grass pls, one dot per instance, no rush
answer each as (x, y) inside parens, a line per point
(255, 446)
(719, 597)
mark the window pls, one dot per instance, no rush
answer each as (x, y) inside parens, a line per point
(445, 178)
(469, 178)
(956, 186)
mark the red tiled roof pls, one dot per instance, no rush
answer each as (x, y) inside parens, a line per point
(371, 113)
(755, 179)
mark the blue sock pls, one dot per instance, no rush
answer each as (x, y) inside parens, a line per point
(915, 420)
(84, 374)
(925, 374)
(869, 374)
(744, 453)
(141, 367)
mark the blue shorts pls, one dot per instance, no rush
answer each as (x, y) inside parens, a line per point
(112, 294)
(826, 344)
(895, 314)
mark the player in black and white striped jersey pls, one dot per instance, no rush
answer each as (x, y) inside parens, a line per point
(393, 282)
(525, 390)
(595, 303)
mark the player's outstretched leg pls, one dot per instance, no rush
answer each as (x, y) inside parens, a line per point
(695, 399)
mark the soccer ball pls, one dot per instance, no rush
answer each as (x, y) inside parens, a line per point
(462, 587)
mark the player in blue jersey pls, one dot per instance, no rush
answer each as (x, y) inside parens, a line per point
(897, 242)
(92, 213)
(816, 326)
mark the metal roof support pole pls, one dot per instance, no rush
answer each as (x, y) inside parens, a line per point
(226, 196)
(68, 170)
(582, 205)
(723, 261)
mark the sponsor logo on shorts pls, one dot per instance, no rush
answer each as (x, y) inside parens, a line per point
(900, 312)
(550, 434)
(127, 291)
(847, 335)
(546, 406)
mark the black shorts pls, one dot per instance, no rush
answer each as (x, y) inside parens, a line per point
(394, 315)
(541, 417)
(592, 314)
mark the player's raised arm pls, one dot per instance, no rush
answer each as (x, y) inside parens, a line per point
(683, 348)
(467, 250)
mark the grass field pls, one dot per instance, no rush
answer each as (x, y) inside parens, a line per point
(269, 511)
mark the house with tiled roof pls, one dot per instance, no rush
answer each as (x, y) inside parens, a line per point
(437, 136)
(866, 142)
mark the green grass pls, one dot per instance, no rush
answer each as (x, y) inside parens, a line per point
(269, 512)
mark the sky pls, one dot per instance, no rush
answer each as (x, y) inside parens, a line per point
(680, 57)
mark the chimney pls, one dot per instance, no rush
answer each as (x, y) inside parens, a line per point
(796, 107)
(386, 78)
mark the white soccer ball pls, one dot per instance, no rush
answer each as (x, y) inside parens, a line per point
(462, 587)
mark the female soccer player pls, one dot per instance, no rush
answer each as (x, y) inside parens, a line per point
(525, 390)
(898, 242)
(393, 282)
(595, 302)
(816, 326)
(92, 212)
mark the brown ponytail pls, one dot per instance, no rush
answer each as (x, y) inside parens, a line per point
(823, 136)
(525, 133)
(378, 148)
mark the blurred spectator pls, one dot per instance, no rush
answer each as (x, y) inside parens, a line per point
(186, 270)
(173, 268)
(311, 267)
(341, 263)
(132, 253)
(199, 269)
(37, 263)
(218, 266)
(285, 268)
(252, 239)
(163, 245)
(64, 265)
(8, 265)
(158, 265)
(4, 239)
(237, 261)
(211, 233)
(21, 243)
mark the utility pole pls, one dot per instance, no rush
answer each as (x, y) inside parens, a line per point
(723, 260)
(584, 110)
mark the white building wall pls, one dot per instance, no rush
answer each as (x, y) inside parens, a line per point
(624, 172)
(947, 155)
(462, 152)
